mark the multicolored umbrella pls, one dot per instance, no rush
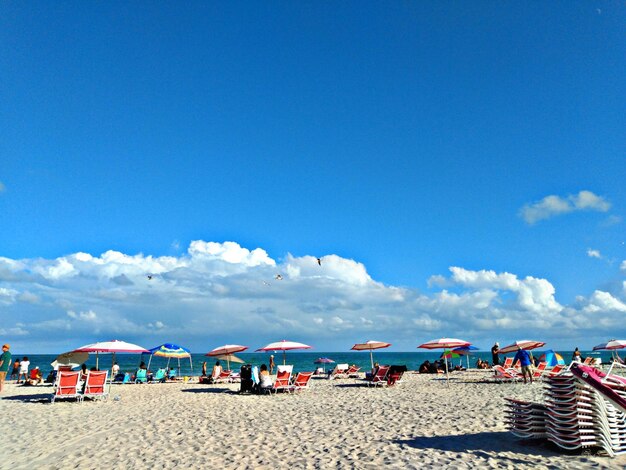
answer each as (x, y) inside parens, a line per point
(170, 351)
(444, 343)
(552, 358)
(284, 346)
(466, 351)
(370, 346)
(521, 344)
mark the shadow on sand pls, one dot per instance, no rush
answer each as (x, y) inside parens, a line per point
(484, 445)
(38, 398)
(211, 390)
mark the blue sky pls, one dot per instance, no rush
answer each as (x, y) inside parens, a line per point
(459, 168)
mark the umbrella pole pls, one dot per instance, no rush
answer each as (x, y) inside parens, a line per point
(468, 362)
(372, 359)
(447, 376)
(96, 359)
(284, 357)
(179, 367)
(149, 361)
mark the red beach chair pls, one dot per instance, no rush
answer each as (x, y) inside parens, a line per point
(301, 381)
(283, 377)
(380, 377)
(225, 376)
(353, 372)
(505, 375)
(95, 385)
(538, 372)
(67, 386)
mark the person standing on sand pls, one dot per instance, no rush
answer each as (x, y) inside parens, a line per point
(272, 365)
(5, 362)
(495, 358)
(525, 359)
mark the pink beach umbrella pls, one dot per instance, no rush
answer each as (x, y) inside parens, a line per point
(444, 343)
(523, 344)
(284, 346)
(227, 351)
(370, 346)
(113, 346)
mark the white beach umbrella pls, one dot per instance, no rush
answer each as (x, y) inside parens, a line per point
(284, 346)
(445, 343)
(523, 344)
(370, 346)
(70, 358)
(113, 346)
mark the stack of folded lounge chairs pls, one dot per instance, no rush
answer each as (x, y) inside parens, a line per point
(526, 419)
(584, 407)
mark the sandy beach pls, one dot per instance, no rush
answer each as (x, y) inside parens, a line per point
(420, 423)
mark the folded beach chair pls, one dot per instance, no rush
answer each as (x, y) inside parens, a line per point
(339, 372)
(353, 372)
(67, 386)
(141, 377)
(506, 375)
(95, 385)
(283, 379)
(379, 377)
(556, 370)
(508, 362)
(302, 380)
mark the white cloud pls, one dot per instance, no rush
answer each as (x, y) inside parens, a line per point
(623, 265)
(552, 206)
(594, 253)
(222, 292)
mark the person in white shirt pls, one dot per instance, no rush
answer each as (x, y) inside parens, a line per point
(24, 364)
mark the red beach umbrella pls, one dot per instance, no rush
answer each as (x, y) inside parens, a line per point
(444, 343)
(611, 345)
(370, 346)
(227, 351)
(284, 346)
(523, 344)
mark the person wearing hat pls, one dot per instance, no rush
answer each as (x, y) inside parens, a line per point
(272, 365)
(495, 358)
(5, 362)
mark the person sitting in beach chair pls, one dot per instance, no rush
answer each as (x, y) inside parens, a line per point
(379, 377)
(216, 372)
(264, 380)
(353, 371)
(141, 377)
(395, 374)
(160, 376)
(339, 372)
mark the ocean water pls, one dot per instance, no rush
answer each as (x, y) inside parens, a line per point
(302, 361)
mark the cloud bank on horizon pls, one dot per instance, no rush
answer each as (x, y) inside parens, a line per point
(223, 292)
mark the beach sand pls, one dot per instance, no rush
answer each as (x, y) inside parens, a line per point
(420, 423)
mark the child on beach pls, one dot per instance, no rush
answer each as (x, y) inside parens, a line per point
(15, 373)
(24, 364)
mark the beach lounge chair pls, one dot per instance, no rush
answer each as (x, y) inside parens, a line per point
(556, 370)
(539, 370)
(353, 372)
(508, 362)
(302, 380)
(67, 386)
(505, 375)
(339, 372)
(141, 377)
(224, 377)
(379, 377)
(395, 374)
(283, 379)
(95, 385)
